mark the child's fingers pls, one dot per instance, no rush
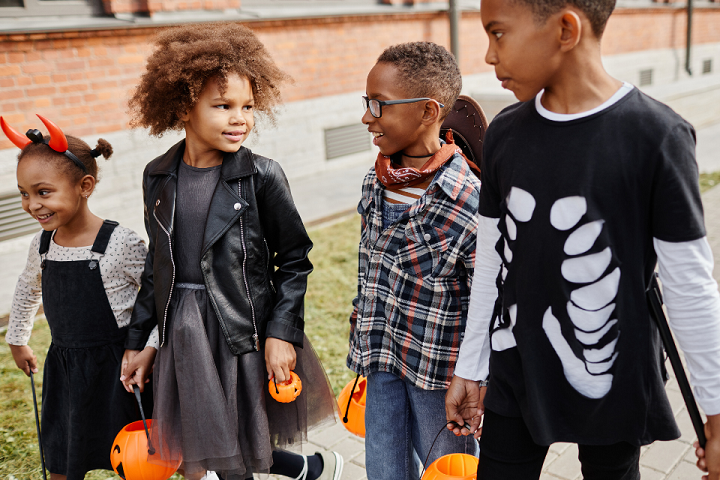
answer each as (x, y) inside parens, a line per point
(281, 373)
(32, 363)
(127, 359)
(139, 379)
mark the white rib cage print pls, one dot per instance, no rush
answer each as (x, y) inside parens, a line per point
(591, 305)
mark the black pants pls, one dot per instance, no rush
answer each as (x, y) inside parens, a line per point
(507, 451)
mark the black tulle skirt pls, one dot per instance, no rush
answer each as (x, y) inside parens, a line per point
(212, 408)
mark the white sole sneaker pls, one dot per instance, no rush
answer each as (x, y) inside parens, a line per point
(331, 460)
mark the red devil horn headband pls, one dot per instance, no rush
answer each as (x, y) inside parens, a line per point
(20, 141)
(57, 141)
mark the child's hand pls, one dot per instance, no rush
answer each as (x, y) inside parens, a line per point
(709, 457)
(464, 404)
(136, 367)
(24, 358)
(279, 359)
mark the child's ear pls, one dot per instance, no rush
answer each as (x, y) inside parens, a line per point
(87, 185)
(431, 113)
(571, 30)
(183, 116)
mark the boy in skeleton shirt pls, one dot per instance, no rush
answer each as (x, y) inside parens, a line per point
(586, 185)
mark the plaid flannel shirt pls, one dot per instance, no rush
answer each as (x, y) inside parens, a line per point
(414, 280)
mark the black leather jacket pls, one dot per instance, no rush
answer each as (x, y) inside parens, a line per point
(254, 257)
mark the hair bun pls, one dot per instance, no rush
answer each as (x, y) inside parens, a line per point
(103, 148)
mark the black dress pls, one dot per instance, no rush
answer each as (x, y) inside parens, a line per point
(84, 405)
(212, 407)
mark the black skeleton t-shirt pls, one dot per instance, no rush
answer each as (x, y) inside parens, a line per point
(574, 350)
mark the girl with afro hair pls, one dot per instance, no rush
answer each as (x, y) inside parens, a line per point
(226, 271)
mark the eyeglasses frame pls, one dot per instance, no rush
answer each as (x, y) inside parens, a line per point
(381, 103)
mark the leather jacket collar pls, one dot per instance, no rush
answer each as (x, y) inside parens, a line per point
(235, 165)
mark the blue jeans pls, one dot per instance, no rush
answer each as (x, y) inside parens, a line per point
(401, 422)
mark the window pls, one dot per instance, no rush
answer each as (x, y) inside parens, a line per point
(23, 8)
(646, 77)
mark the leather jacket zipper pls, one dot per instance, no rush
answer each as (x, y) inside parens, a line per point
(267, 255)
(256, 337)
(172, 261)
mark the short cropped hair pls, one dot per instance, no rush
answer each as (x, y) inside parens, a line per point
(186, 57)
(597, 11)
(426, 70)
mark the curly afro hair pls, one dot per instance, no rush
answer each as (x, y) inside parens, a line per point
(427, 70)
(78, 147)
(184, 60)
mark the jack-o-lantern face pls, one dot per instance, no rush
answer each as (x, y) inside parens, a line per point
(286, 392)
(351, 404)
(130, 459)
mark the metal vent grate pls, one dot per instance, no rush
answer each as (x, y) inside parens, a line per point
(646, 77)
(345, 140)
(14, 221)
(707, 66)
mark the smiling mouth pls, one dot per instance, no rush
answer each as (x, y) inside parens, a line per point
(44, 217)
(234, 134)
(376, 134)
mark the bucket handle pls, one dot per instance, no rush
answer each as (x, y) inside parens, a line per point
(151, 449)
(347, 409)
(444, 427)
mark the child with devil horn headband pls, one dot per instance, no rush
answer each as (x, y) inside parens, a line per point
(227, 267)
(87, 272)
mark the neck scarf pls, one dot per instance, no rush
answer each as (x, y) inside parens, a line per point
(394, 178)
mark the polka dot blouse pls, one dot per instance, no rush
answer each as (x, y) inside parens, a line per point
(120, 268)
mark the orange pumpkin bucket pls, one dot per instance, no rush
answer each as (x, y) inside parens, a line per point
(286, 392)
(455, 466)
(351, 401)
(129, 456)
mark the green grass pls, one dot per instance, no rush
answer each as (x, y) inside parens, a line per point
(19, 455)
(709, 180)
(331, 288)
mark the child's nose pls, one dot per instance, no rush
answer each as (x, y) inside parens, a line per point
(34, 204)
(367, 117)
(237, 117)
(491, 55)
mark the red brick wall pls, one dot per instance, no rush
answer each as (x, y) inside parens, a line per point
(81, 79)
(632, 30)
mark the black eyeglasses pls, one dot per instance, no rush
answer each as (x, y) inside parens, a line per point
(375, 106)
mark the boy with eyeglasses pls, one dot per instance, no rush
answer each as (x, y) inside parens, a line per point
(417, 250)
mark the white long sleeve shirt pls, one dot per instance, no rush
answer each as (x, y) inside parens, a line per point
(120, 268)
